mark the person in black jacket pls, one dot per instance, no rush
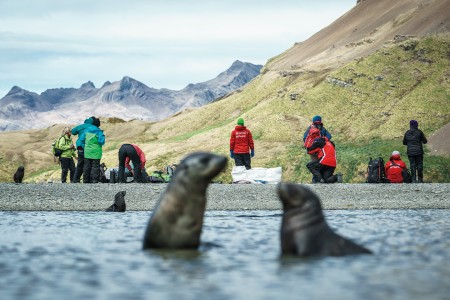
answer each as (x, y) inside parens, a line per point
(413, 140)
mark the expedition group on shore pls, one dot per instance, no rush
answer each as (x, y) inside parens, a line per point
(322, 150)
(87, 151)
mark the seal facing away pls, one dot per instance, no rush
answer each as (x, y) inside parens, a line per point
(18, 176)
(304, 231)
(177, 218)
(119, 204)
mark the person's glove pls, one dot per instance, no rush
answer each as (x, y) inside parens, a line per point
(231, 154)
(252, 152)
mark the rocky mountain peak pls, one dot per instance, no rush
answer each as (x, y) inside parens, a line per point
(88, 85)
(106, 83)
(15, 90)
(128, 83)
(239, 67)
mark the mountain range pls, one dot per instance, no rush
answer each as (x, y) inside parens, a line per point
(126, 99)
(367, 74)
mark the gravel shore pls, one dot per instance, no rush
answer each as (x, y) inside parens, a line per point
(97, 197)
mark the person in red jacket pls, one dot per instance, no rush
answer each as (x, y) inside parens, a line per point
(131, 152)
(394, 168)
(241, 141)
(324, 167)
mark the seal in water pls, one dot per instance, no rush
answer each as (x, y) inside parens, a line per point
(18, 176)
(177, 218)
(304, 231)
(119, 204)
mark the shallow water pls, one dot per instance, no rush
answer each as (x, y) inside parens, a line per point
(97, 255)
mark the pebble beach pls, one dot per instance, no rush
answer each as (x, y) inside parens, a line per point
(143, 197)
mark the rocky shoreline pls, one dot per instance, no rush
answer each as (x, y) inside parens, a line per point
(143, 197)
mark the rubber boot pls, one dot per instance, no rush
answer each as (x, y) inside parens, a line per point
(420, 177)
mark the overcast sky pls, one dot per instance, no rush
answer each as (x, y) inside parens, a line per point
(163, 43)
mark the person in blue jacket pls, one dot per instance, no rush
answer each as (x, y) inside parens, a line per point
(92, 140)
(78, 130)
(317, 123)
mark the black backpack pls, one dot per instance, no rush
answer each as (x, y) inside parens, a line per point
(55, 148)
(375, 171)
(407, 177)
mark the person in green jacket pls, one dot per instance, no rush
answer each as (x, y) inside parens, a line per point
(78, 130)
(65, 144)
(92, 139)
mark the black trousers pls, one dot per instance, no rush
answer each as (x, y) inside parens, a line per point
(127, 150)
(80, 165)
(243, 159)
(67, 165)
(91, 170)
(314, 158)
(322, 172)
(416, 167)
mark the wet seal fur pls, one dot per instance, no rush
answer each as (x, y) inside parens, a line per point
(18, 176)
(119, 204)
(177, 219)
(304, 231)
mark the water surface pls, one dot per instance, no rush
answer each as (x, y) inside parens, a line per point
(98, 255)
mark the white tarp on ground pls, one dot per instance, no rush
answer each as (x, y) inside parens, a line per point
(256, 175)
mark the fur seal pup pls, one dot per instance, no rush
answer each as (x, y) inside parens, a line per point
(177, 218)
(119, 204)
(304, 231)
(18, 176)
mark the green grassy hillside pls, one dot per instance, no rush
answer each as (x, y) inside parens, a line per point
(366, 105)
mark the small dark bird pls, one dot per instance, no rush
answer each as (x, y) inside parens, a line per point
(119, 203)
(18, 176)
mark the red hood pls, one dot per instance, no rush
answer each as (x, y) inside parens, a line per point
(395, 157)
(239, 127)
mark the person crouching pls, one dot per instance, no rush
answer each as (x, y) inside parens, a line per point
(131, 152)
(394, 168)
(324, 167)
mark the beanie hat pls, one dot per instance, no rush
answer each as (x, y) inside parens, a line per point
(395, 153)
(96, 122)
(317, 119)
(240, 122)
(413, 123)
